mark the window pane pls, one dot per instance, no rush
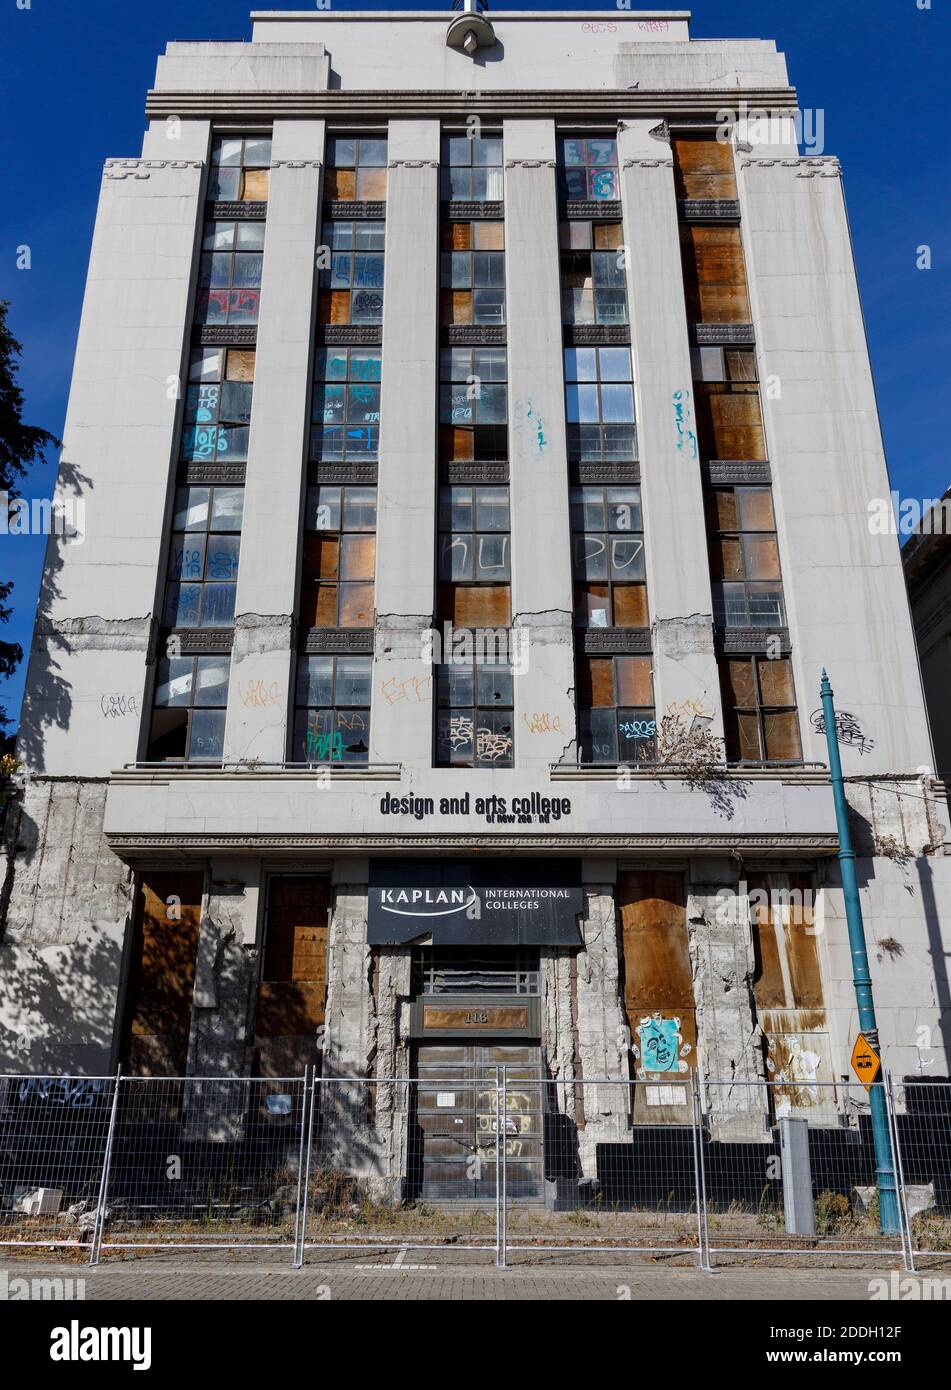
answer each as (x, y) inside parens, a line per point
(492, 405)
(487, 151)
(207, 740)
(494, 686)
(776, 683)
(492, 557)
(359, 509)
(587, 509)
(373, 152)
(756, 509)
(352, 743)
(188, 557)
(598, 736)
(590, 557)
(211, 681)
(615, 364)
(492, 509)
(174, 682)
(218, 605)
(634, 682)
(582, 403)
(627, 558)
(617, 403)
(637, 729)
(191, 509)
(592, 605)
(455, 685)
(456, 557)
(781, 732)
(315, 680)
(353, 680)
(581, 364)
(494, 738)
(624, 508)
(747, 727)
(738, 686)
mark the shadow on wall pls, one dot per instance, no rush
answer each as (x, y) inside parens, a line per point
(74, 984)
(46, 699)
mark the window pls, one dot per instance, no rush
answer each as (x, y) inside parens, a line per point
(229, 275)
(714, 274)
(473, 406)
(240, 169)
(346, 407)
(744, 557)
(332, 723)
(599, 387)
(759, 710)
(616, 709)
(188, 719)
(203, 569)
(356, 171)
(472, 168)
(588, 169)
(703, 168)
(339, 558)
(608, 557)
(474, 535)
(492, 970)
(356, 168)
(473, 273)
(352, 286)
(593, 286)
(218, 405)
(474, 720)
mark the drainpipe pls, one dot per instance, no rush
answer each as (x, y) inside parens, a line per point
(861, 978)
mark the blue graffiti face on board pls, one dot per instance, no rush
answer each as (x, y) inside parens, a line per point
(660, 1044)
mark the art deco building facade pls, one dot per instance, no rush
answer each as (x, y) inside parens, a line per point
(466, 410)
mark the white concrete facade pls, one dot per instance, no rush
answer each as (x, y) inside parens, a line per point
(94, 819)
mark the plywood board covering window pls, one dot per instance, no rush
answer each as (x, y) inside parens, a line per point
(162, 975)
(657, 972)
(714, 275)
(703, 168)
(293, 988)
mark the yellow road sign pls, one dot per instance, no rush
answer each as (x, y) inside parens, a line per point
(866, 1062)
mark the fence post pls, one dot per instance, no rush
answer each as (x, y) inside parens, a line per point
(700, 1177)
(298, 1256)
(504, 1195)
(95, 1244)
(798, 1208)
(498, 1177)
(907, 1248)
(310, 1105)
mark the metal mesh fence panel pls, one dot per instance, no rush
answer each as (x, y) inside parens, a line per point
(403, 1162)
(203, 1163)
(790, 1169)
(922, 1122)
(53, 1135)
(617, 1170)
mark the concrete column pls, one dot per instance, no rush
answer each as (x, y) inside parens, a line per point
(602, 1033)
(262, 662)
(541, 539)
(728, 1035)
(842, 578)
(83, 703)
(401, 713)
(678, 575)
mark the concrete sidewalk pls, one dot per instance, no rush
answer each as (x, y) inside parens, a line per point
(382, 1280)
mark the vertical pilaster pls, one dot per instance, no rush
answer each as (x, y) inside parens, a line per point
(262, 662)
(541, 545)
(678, 573)
(401, 724)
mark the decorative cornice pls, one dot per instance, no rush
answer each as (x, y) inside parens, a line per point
(297, 163)
(142, 168)
(530, 164)
(379, 106)
(807, 167)
(126, 843)
(413, 164)
(648, 164)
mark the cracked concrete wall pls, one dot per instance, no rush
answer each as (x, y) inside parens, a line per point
(221, 1041)
(67, 901)
(260, 697)
(825, 444)
(728, 1034)
(86, 682)
(601, 1030)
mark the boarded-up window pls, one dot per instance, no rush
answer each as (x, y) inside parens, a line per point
(292, 991)
(657, 981)
(787, 988)
(729, 421)
(158, 1002)
(714, 275)
(759, 710)
(703, 168)
(475, 605)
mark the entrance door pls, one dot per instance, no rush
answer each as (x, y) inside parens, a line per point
(456, 1121)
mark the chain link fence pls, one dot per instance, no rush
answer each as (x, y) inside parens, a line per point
(494, 1161)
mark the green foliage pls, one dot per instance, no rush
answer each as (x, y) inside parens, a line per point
(21, 446)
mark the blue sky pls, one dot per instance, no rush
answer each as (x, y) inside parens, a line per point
(75, 77)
